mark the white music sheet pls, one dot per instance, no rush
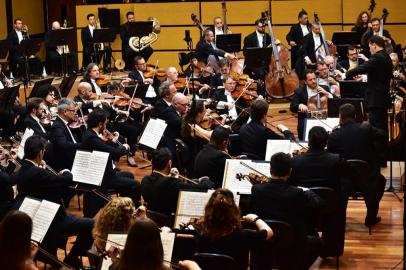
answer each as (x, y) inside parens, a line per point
(27, 133)
(153, 133)
(328, 124)
(30, 206)
(168, 240)
(89, 167)
(276, 146)
(234, 166)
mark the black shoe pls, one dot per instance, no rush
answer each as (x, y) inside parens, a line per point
(372, 221)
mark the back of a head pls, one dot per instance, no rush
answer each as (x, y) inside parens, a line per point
(96, 117)
(318, 137)
(347, 111)
(15, 239)
(280, 165)
(44, 90)
(378, 41)
(143, 249)
(221, 216)
(33, 145)
(259, 108)
(219, 135)
(161, 158)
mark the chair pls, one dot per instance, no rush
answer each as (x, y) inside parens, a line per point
(211, 261)
(159, 218)
(183, 155)
(359, 170)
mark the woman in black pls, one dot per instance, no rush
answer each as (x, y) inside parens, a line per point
(221, 231)
(362, 24)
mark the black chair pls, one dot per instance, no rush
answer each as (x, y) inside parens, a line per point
(359, 170)
(160, 219)
(210, 261)
(183, 155)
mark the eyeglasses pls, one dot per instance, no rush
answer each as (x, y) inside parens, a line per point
(70, 110)
(141, 64)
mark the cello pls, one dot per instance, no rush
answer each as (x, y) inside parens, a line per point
(281, 81)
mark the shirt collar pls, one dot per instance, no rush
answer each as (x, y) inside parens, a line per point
(29, 160)
(259, 34)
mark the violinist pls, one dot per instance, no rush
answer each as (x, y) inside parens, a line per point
(296, 34)
(225, 101)
(255, 134)
(48, 93)
(211, 160)
(85, 98)
(353, 60)
(217, 79)
(375, 31)
(206, 47)
(399, 72)
(92, 76)
(160, 190)
(172, 74)
(35, 119)
(140, 66)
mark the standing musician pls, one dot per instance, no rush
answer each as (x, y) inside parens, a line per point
(362, 24)
(160, 190)
(313, 48)
(374, 31)
(36, 182)
(206, 47)
(35, 119)
(255, 134)
(300, 100)
(296, 34)
(87, 39)
(127, 52)
(92, 75)
(218, 27)
(14, 39)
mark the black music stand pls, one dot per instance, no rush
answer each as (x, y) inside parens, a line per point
(66, 85)
(140, 29)
(3, 51)
(140, 92)
(229, 42)
(353, 89)
(333, 107)
(38, 84)
(27, 48)
(343, 39)
(61, 37)
(8, 97)
(104, 35)
(258, 57)
(110, 18)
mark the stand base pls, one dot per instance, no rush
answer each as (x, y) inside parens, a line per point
(392, 190)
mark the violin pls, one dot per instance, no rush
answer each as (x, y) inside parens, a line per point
(253, 178)
(103, 80)
(213, 119)
(151, 72)
(181, 83)
(244, 93)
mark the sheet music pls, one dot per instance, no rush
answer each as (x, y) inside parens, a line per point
(89, 167)
(119, 238)
(191, 204)
(153, 133)
(168, 240)
(27, 133)
(30, 206)
(234, 166)
(328, 124)
(276, 146)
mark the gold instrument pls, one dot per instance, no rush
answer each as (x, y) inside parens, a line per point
(24, 30)
(65, 47)
(138, 45)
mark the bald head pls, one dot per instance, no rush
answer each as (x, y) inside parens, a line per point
(172, 74)
(84, 90)
(180, 102)
(56, 25)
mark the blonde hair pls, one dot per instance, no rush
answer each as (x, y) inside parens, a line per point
(116, 216)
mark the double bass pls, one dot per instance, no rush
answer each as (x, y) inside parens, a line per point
(281, 81)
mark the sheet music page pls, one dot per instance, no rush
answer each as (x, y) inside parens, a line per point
(153, 133)
(89, 167)
(116, 238)
(43, 219)
(81, 164)
(168, 240)
(275, 146)
(30, 206)
(328, 124)
(27, 133)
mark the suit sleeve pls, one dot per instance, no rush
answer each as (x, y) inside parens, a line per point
(289, 36)
(296, 101)
(59, 139)
(363, 69)
(115, 152)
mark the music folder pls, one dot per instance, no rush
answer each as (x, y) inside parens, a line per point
(89, 167)
(153, 132)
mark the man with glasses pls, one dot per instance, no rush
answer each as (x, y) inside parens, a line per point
(140, 66)
(36, 109)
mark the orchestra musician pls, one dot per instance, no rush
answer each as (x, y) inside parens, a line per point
(362, 24)
(140, 66)
(7, 181)
(255, 134)
(84, 98)
(399, 73)
(48, 93)
(216, 81)
(167, 91)
(92, 73)
(87, 40)
(296, 34)
(281, 201)
(206, 47)
(375, 31)
(171, 74)
(36, 182)
(127, 53)
(160, 190)
(14, 39)
(36, 114)
(313, 48)
(324, 78)
(225, 103)
(353, 59)
(218, 27)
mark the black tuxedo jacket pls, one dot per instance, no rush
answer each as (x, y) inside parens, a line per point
(135, 75)
(87, 40)
(160, 107)
(220, 95)
(216, 81)
(368, 34)
(204, 50)
(12, 43)
(295, 34)
(161, 193)
(254, 136)
(64, 147)
(210, 162)
(379, 71)
(317, 169)
(30, 122)
(251, 41)
(172, 131)
(88, 80)
(308, 47)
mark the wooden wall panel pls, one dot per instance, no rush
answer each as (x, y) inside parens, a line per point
(3, 20)
(32, 14)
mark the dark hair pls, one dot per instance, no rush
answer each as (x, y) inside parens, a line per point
(318, 137)
(17, 19)
(15, 239)
(34, 103)
(224, 62)
(377, 40)
(88, 70)
(320, 63)
(375, 19)
(359, 22)
(308, 71)
(33, 145)
(137, 58)
(45, 90)
(96, 117)
(301, 13)
(280, 164)
(221, 215)
(207, 31)
(258, 21)
(219, 135)
(89, 15)
(129, 13)
(351, 48)
(190, 118)
(226, 77)
(161, 158)
(347, 111)
(143, 249)
(259, 108)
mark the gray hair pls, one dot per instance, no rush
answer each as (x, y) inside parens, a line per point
(394, 56)
(64, 104)
(164, 88)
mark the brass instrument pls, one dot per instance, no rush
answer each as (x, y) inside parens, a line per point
(138, 44)
(24, 30)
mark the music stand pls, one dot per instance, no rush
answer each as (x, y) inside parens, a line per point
(8, 96)
(353, 89)
(333, 107)
(139, 93)
(37, 85)
(66, 85)
(61, 37)
(3, 49)
(229, 42)
(140, 29)
(343, 39)
(258, 57)
(104, 35)
(110, 18)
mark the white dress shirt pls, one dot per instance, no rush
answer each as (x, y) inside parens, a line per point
(70, 132)
(91, 28)
(260, 38)
(150, 92)
(20, 36)
(96, 87)
(305, 30)
(222, 105)
(39, 123)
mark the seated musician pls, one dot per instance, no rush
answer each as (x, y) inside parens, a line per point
(140, 66)
(171, 74)
(85, 99)
(399, 73)
(221, 231)
(36, 182)
(281, 201)
(91, 75)
(353, 60)
(255, 134)
(211, 160)
(167, 91)
(217, 79)
(48, 93)
(35, 120)
(160, 190)
(356, 141)
(7, 181)
(206, 47)
(324, 78)
(122, 182)
(62, 138)
(300, 100)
